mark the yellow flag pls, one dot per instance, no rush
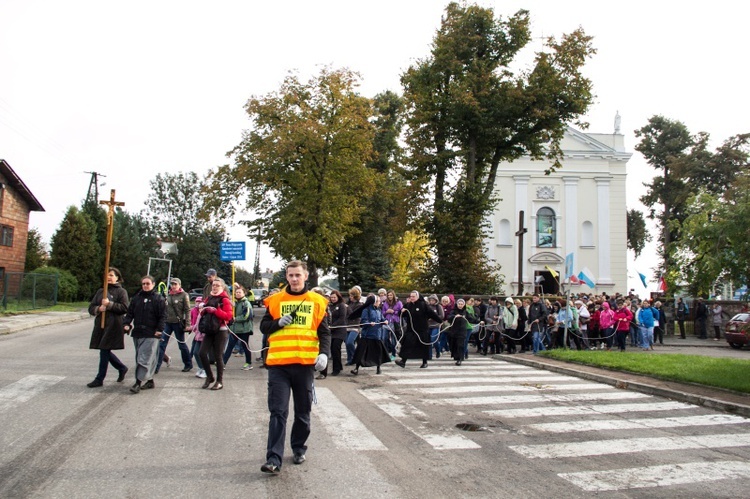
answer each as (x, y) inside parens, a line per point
(554, 274)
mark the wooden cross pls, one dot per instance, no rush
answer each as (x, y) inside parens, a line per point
(110, 227)
(520, 232)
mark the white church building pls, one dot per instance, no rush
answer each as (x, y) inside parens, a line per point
(579, 209)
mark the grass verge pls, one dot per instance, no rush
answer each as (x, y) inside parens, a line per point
(78, 306)
(731, 374)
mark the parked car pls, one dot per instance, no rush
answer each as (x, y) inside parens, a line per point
(259, 294)
(737, 330)
(194, 293)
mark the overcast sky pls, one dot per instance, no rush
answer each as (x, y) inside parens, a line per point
(131, 89)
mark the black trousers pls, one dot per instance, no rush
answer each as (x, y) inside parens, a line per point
(297, 380)
(214, 343)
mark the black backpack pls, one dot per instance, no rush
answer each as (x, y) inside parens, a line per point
(209, 324)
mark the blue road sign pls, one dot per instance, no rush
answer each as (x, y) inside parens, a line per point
(231, 251)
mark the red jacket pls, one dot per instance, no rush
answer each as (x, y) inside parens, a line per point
(623, 316)
(224, 310)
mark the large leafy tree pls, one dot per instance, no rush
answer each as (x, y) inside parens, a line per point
(364, 258)
(302, 167)
(74, 247)
(468, 111)
(36, 253)
(173, 214)
(668, 147)
(716, 226)
(131, 248)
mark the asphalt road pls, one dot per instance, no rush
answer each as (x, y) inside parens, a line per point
(539, 434)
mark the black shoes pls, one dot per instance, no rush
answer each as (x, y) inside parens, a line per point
(207, 383)
(95, 384)
(423, 366)
(400, 363)
(269, 467)
(122, 374)
(187, 369)
(148, 385)
(298, 458)
(217, 386)
(335, 373)
(355, 371)
(378, 371)
(136, 388)
(458, 362)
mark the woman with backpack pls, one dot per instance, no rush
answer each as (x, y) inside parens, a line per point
(242, 327)
(215, 315)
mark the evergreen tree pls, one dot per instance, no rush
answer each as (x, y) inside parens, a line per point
(36, 253)
(74, 247)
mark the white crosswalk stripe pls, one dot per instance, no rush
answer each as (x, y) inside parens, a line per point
(525, 399)
(416, 422)
(630, 445)
(533, 378)
(627, 424)
(25, 389)
(556, 410)
(350, 432)
(528, 387)
(658, 476)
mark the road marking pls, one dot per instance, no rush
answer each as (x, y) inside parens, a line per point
(177, 400)
(627, 424)
(416, 422)
(484, 379)
(25, 389)
(658, 476)
(536, 388)
(346, 430)
(555, 410)
(523, 399)
(630, 445)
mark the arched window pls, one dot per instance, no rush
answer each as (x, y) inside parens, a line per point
(587, 234)
(503, 232)
(546, 228)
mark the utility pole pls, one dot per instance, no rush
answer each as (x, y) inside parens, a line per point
(256, 267)
(93, 193)
(520, 232)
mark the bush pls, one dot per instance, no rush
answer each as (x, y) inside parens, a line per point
(67, 287)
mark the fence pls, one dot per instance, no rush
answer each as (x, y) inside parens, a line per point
(27, 291)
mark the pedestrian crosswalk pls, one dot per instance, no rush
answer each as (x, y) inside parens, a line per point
(558, 420)
(582, 420)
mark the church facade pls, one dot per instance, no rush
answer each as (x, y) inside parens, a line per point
(580, 209)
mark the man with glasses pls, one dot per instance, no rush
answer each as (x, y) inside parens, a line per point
(144, 322)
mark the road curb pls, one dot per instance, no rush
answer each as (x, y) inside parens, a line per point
(713, 403)
(42, 321)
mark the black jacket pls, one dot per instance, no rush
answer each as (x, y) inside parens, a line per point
(147, 313)
(537, 315)
(112, 337)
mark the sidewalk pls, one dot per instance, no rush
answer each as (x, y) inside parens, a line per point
(692, 341)
(14, 323)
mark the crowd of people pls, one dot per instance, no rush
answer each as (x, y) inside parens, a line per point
(302, 329)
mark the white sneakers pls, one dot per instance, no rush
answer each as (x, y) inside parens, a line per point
(201, 373)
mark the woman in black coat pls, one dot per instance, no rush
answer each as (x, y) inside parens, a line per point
(111, 336)
(459, 327)
(337, 313)
(415, 341)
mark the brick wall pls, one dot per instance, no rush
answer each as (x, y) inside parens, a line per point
(15, 213)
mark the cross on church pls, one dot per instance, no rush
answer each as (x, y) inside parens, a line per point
(520, 232)
(110, 226)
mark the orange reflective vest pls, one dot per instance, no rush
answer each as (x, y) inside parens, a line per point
(296, 343)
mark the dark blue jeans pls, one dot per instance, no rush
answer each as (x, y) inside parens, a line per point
(106, 357)
(233, 340)
(174, 328)
(283, 380)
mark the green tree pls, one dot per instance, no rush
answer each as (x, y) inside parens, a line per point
(364, 258)
(468, 112)
(36, 253)
(74, 247)
(667, 146)
(638, 236)
(302, 167)
(131, 247)
(173, 213)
